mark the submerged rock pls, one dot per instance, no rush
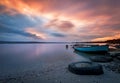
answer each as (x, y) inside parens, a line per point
(113, 66)
(101, 58)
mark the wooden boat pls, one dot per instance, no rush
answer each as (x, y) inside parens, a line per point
(93, 49)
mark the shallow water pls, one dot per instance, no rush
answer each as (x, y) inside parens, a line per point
(45, 63)
(16, 58)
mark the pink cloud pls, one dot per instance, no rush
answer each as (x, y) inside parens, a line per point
(60, 25)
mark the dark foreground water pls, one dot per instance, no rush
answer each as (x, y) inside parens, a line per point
(45, 63)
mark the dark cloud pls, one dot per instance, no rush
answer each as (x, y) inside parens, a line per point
(65, 25)
(6, 10)
(13, 18)
(61, 25)
(5, 29)
(2, 7)
(58, 34)
(18, 21)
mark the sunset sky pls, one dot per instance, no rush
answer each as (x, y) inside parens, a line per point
(59, 20)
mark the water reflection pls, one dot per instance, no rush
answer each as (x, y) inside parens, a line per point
(21, 57)
(66, 46)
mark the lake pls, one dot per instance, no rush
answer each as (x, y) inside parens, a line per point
(15, 58)
(45, 63)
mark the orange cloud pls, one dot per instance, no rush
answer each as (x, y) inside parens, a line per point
(38, 34)
(107, 38)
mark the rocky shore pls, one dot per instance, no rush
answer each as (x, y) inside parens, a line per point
(115, 64)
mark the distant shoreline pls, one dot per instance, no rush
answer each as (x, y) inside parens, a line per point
(114, 41)
(32, 42)
(36, 42)
(29, 42)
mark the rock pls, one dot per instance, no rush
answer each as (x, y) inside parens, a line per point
(118, 57)
(114, 66)
(117, 54)
(101, 58)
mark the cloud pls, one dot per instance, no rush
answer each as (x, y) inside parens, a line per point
(57, 34)
(107, 38)
(60, 25)
(5, 29)
(88, 20)
(5, 10)
(18, 21)
(37, 33)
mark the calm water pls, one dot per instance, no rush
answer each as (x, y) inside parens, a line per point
(16, 58)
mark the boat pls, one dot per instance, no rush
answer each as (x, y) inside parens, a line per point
(78, 45)
(93, 49)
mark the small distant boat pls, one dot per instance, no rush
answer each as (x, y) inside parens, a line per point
(93, 49)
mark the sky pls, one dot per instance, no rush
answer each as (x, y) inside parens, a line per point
(59, 20)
